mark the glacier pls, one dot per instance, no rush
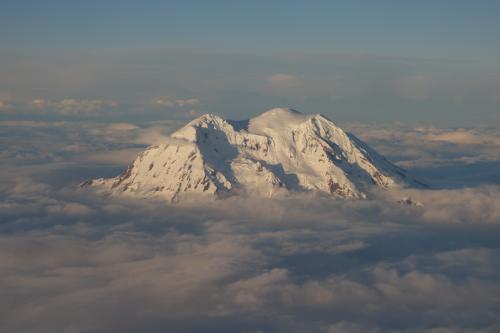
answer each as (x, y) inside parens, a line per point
(280, 151)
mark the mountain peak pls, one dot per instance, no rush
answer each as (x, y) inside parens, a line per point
(209, 120)
(279, 151)
(280, 112)
(276, 120)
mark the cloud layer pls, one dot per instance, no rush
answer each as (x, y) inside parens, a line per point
(74, 262)
(161, 82)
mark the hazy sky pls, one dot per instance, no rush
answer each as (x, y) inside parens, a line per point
(411, 61)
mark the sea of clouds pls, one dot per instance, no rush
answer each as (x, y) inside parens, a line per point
(74, 262)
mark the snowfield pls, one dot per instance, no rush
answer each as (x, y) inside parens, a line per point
(277, 152)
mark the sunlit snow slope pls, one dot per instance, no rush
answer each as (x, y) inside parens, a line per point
(274, 153)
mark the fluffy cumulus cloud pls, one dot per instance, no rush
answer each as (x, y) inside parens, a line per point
(74, 262)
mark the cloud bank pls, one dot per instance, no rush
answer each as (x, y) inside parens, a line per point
(346, 86)
(74, 262)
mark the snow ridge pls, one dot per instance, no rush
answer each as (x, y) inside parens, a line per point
(279, 151)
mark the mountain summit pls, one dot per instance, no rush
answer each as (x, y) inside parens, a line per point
(278, 151)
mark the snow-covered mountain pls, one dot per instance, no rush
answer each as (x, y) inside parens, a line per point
(279, 151)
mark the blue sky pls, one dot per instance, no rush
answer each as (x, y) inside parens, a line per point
(425, 61)
(414, 28)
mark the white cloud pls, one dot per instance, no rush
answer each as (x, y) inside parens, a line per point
(69, 208)
(465, 137)
(153, 135)
(71, 261)
(472, 205)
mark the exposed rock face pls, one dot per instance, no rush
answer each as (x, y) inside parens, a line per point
(280, 150)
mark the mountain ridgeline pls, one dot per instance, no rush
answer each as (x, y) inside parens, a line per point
(278, 152)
